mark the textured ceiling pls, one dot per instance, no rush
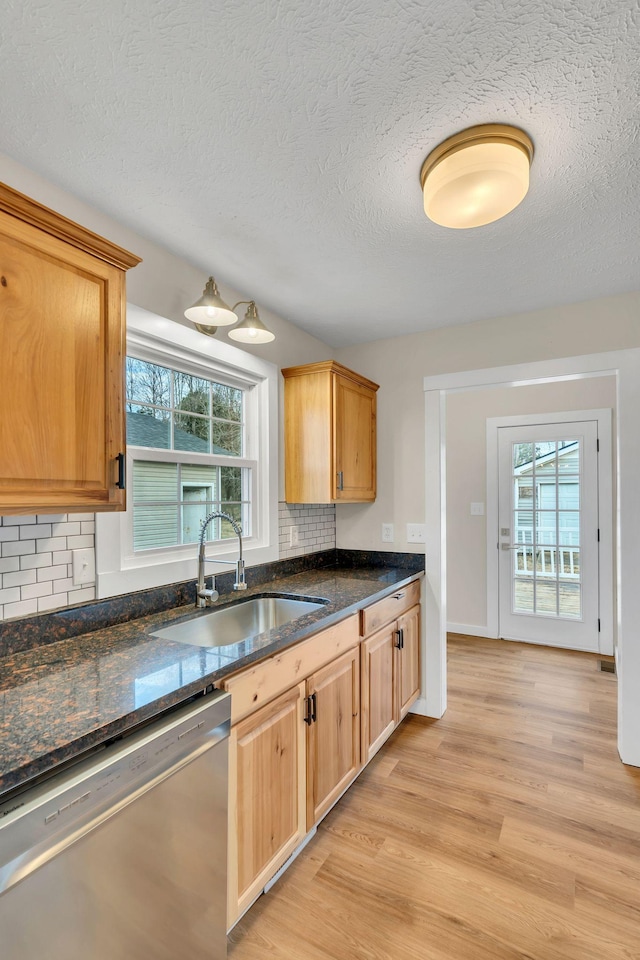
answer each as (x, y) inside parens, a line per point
(278, 144)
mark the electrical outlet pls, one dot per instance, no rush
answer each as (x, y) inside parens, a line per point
(293, 536)
(387, 533)
(416, 533)
(84, 566)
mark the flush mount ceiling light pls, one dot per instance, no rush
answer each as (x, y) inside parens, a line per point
(210, 312)
(477, 176)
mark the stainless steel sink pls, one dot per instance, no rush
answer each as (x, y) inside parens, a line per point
(241, 621)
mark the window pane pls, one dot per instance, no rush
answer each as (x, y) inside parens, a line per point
(231, 483)
(570, 600)
(568, 456)
(545, 458)
(148, 383)
(226, 402)
(155, 526)
(191, 393)
(195, 509)
(227, 438)
(546, 597)
(522, 453)
(190, 433)
(569, 528)
(235, 511)
(523, 596)
(147, 427)
(154, 481)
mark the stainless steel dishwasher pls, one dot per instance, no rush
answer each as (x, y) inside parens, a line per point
(123, 856)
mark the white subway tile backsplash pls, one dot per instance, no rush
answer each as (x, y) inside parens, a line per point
(32, 530)
(18, 548)
(10, 595)
(74, 543)
(316, 525)
(9, 533)
(53, 573)
(32, 590)
(67, 528)
(19, 578)
(53, 602)
(22, 609)
(51, 543)
(35, 562)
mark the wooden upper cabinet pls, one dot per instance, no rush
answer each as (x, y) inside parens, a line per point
(62, 340)
(330, 434)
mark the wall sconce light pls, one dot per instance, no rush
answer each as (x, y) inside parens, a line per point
(476, 176)
(210, 312)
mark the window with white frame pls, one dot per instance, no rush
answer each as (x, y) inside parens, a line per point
(187, 440)
(202, 428)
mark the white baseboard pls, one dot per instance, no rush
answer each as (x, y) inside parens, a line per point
(421, 710)
(471, 630)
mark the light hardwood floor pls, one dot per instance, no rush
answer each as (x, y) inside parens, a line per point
(508, 830)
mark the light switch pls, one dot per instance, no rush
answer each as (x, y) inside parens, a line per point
(477, 509)
(416, 532)
(84, 566)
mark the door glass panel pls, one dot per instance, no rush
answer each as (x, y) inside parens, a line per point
(568, 456)
(546, 522)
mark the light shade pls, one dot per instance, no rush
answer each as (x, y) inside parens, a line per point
(210, 310)
(252, 329)
(476, 176)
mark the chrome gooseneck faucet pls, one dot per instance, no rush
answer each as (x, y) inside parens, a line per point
(204, 596)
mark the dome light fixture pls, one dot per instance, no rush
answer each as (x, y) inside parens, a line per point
(476, 176)
(210, 312)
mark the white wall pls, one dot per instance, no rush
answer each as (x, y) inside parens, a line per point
(399, 365)
(467, 414)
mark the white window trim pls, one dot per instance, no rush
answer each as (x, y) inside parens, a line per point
(159, 340)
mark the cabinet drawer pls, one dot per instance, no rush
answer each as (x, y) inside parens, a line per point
(256, 685)
(384, 611)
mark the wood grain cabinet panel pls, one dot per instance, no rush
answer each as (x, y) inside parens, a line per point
(330, 434)
(333, 735)
(62, 304)
(378, 679)
(408, 657)
(267, 796)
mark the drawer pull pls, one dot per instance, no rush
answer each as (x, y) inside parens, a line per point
(398, 596)
(307, 711)
(400, 636)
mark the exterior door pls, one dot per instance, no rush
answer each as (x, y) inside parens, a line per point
(548, 534)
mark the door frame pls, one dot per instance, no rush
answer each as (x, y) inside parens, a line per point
(625, 366)
(605, 515)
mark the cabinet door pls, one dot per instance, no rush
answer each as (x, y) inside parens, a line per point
(408, 656)
(61, 367)
(378, 690)
(267, 796)
(354, 435)
(333, 734)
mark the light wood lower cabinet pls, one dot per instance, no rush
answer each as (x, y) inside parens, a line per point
(378, 690)
(333, 736)
(267, 789)
(408, 660)
(390, 678)
(303, 723)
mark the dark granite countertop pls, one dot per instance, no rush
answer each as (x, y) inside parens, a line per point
(58, 699)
